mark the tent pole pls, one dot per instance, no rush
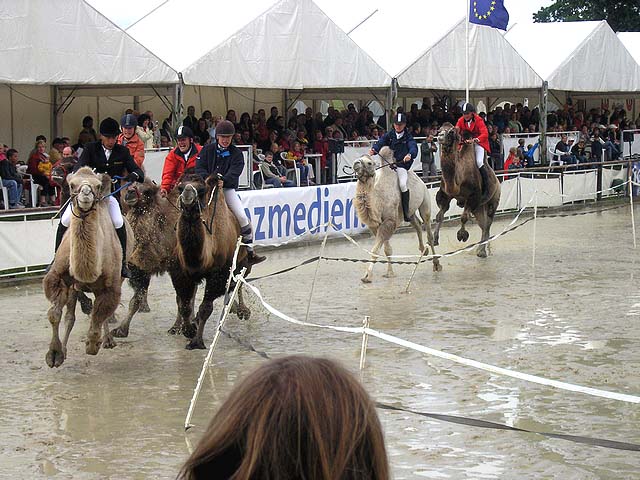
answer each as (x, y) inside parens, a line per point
(177, 104)
(543, 121)
(466, 53)
(11, 115)
(286, 108)
(54, 112)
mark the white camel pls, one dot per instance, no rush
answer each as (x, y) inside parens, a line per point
(378, 205)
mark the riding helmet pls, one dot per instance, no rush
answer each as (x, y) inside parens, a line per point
(128, 121)
(468, 107)
(184, 132)
(109, 127)
(225, 128)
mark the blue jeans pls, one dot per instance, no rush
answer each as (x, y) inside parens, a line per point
(276, 182)
(15, 191)
(304, 172)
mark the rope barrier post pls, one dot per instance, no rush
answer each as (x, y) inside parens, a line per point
(406, 290)
(633, 221)
(315, 274)
(365, 341)
(535, 224)
(207, 360)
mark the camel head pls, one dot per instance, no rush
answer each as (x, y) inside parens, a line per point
(141, 194)
(192, 190)
(447, 136)
(364, 168)
(87, 188)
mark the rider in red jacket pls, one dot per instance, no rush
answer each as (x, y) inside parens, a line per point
(179, 159)
(474, 124)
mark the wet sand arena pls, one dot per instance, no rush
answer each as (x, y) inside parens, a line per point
(575, 318)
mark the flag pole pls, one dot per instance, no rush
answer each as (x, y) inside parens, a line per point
(466, 52)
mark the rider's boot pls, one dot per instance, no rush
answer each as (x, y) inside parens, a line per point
(122, 236)
(404, 196)
(484, 173)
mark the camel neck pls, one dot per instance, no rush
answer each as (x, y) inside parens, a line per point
(86, 252)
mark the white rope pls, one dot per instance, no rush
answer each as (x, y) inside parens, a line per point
(448, 356)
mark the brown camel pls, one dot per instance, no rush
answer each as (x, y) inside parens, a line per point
(90, 259)
(377, 202)
(153, 220)
(207, 235)
(461, 181)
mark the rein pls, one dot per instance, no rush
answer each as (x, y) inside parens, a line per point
(214, 197)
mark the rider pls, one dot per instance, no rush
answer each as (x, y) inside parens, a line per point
(474, 124)
(130, 139)
(106, 156)
(405, 150)
(223, 158)
(179, 159)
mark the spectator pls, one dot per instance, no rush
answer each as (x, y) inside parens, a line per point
(190, 120)
(231, 116)
(321, 146)
(179, 159)
(597, 146)
(301, 137)
(208, 118)
(245, 124)
(129, 138)
(144, 131)
(293, 418)
(39, 167)
(521, 148)
(495, 157)
(513, 161)
(55, 154)
(87, 128)
(164, 142)
(563, 150)
(272, 121)
(245, 138)
(296, 157)
(579, 153)
(272, 174)
(201, 132)
(11, 179)
(428, 150)
(612, 142)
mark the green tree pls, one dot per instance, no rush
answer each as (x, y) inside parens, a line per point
(622, 15)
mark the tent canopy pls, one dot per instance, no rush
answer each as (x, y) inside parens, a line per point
(493, 63)
(631, 41)
(577, 56)
(69, 42)
(293, 45)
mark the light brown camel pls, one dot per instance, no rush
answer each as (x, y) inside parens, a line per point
(207, 235)
(461, 181)
(379, 207)
(153, 220)
(89, 259)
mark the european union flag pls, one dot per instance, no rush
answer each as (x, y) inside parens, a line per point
(489, 12)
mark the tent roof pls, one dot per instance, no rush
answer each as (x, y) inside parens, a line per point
(293, 45)
(493, 63)
(562, 53)
(631, 41)
(69, 42)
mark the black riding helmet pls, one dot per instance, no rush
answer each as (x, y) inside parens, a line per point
(225, 128)
(468, 107)
(128, 121)
(184, 132)
(109, 127)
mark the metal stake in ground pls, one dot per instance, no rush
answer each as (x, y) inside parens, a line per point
(535, 223)
(365, 341)
(207, 360)
(313, 282)
(633, 221)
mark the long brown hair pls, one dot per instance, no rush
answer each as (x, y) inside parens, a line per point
(293, 418)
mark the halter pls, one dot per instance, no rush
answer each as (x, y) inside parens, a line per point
(84, 214)
(213, 198)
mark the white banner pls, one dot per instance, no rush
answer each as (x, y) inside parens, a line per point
(548, 187)
(609, 174)
(279, 215)
(631, 142)
(579, 186)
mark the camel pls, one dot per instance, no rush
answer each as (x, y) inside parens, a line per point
(461, 181)
(379, 207)
(153, 220)
(89, 259)
(207, 234)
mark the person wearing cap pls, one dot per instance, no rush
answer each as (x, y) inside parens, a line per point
(179, 159)
(130, 139)
(472, 123)
(220, 157)
(106, 156)
(405, 150)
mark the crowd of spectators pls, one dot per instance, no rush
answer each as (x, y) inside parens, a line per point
(281, 144)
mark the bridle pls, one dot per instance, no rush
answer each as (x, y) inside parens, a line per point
(83, 213)
(208, 225)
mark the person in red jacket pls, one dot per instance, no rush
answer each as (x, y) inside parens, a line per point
(179, 159)
(130, 139)
(472, 123)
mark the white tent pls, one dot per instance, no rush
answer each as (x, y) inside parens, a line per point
(293, 45)
(494, 65)
(577, 56)
(631, 41)
(69, 42)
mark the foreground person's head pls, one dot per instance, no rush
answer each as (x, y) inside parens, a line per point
(292, 418)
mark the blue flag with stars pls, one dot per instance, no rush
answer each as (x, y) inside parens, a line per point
(489, 12)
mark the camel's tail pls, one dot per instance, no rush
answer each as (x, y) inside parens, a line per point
(53, 286)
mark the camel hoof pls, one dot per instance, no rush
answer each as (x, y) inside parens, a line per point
(463, 235)
(109, 342)
(54, 358)
(437, 267)
(243, 313)
(120, 332)
(189, 331)
(482, 253)
(389, 275)
(196, 344)
(93, 348)
(174, 330)
(365, 280)
(86, 305)
(144, 308)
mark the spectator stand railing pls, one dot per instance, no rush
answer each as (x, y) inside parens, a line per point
(509, 140)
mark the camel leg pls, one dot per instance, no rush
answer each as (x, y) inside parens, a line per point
(144, 302)
(104, 306)
(443, 201)
(388, 252)
(376, 248)
(240, 308)
(57, 293)
(484, 221)
(139, 281)
(463, 235)
(436, 261)
(214, 288)
(185, 297)
(69, 319)
(415, 223)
